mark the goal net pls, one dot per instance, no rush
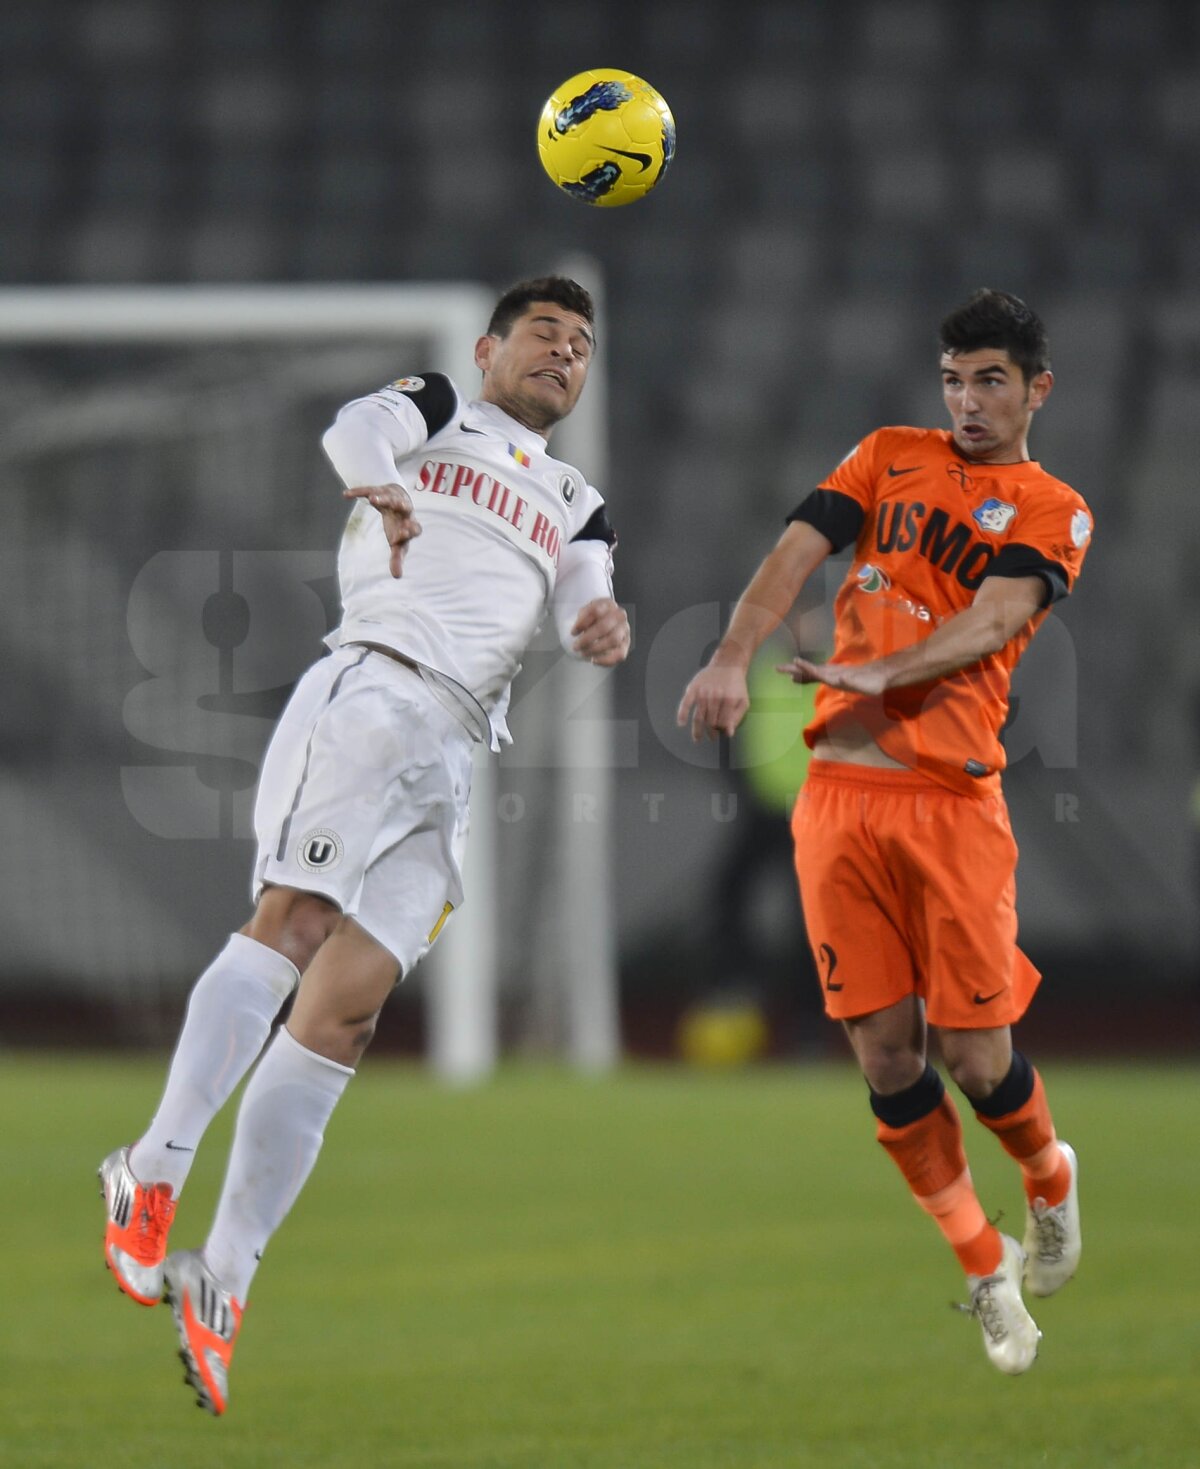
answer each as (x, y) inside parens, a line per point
(168, 572)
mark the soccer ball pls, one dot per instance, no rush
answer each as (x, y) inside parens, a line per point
(606, 137)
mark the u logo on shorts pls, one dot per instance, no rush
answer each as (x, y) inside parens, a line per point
(320, 850)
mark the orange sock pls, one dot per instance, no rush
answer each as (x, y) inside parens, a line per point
(959, 1215)
(929, 1153)
(1028, 1136)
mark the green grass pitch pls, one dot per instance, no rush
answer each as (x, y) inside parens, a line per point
(659, 1270)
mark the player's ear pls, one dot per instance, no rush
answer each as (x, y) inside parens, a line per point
(1039, 388)
(483, 352)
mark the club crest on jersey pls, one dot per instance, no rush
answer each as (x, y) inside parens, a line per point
(872, 578)
(1081, 529)
(994, 516)
(319, 850)
(567, 489)
(408, 384)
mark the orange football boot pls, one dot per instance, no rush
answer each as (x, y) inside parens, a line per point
(208, 1320)
(139, 1220)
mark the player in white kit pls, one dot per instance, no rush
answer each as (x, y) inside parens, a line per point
(361, 816)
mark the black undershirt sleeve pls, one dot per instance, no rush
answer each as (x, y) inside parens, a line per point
(1019, 560)
(838, 517)
(597, 528)
(435, 402)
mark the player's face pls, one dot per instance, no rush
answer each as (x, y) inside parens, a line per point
(990, 404)
(538, 370)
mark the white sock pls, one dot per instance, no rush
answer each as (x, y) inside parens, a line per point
(280, 1127)
(229, 1016)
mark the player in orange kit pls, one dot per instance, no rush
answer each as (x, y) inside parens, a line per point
(904, 853)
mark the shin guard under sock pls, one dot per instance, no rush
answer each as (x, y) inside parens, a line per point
(920, 1129)
(1018, 1113)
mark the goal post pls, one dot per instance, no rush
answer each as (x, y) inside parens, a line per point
(586, 950)
(427, 324)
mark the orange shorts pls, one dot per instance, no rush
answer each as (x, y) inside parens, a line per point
(909, 888)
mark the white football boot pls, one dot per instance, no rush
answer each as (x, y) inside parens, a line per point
(1010, 1334)
(1053, 1241)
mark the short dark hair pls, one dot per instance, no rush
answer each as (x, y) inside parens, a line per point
(556, 288)
(996, 319)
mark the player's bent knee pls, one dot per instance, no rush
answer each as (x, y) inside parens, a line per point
(340, 998)
(888, 1067)
(294, 923)
(977, 1061)
(342, 1037)
(892, 1071)
(974, 1080)
(362, 1033)
(976, 1075)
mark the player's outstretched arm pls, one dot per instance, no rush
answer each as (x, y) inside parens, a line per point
(716, 700)
(1002, 607)
(400, 523)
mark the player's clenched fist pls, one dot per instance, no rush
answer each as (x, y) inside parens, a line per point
(400, 523)
(714, 701)
(601, 633)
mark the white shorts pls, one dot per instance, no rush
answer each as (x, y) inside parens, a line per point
(363, 799)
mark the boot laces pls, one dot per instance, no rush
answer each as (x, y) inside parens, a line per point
(986, 1309)
(156, 1209)
(1049, 1231)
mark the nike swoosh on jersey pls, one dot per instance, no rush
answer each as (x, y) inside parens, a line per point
(643, 160)
(986, 999)
(178, 1147)
(467, 429)
(893, 472)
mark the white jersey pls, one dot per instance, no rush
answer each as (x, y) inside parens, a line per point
(503, 528)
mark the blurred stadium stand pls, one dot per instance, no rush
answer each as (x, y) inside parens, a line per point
(845, 174)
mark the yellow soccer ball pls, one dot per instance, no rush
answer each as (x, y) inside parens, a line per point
(606, 137)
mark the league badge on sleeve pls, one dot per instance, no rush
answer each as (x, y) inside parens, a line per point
(1081, 529)
(994, 516)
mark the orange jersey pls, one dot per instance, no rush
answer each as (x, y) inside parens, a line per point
(928, 527)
